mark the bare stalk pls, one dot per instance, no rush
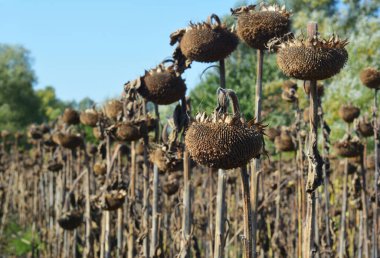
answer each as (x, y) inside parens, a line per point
(278, 199)
(364, 200)
(326, 168)
(155, 231)
(375, 230)
(342, 237)
(131, 224)
(314, 177)
(187, 216)
(247, 210)
(256, 164)
(220, 212)
(145, 222)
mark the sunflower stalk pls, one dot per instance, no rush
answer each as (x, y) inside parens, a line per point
(145, 222)
(364, 200)
(221, 190)
(343, 233)
(326, 167)
(132, 196)
(155, 232)
(314, 177)
(187, 216)
(256, 164)
(375, 230)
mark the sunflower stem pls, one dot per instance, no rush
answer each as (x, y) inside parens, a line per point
(375, 207)
(187, 220)
(247, 211)
(314, 176)
(256, 162)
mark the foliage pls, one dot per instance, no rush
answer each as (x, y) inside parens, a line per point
(19, 105)
(51, 107)
(17, 241)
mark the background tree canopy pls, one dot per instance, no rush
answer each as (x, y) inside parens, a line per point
(20, 104)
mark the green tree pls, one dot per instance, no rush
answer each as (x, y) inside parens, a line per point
(51, 107)
(19, 105)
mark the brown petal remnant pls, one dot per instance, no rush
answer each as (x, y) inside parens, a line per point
(312, 59)
(257, 25)
(370, 77)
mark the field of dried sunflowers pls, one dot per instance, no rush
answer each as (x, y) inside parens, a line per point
(203, 185)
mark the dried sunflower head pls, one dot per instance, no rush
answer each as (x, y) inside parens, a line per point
(285, 141)
(70, 220)
(67, 140)
(257, 25)
(89, 117)
(349, 147)
(113, 109)
(370, 77)
(207, 42)
(70, 116)
(162, 85)
(224, 141)
(312, 59)
(349, 113)
(365, 127)
(272, 133)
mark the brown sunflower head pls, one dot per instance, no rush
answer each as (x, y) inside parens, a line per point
(349, 147)
(89, 117)
(222, 140)
(70, 116)
(129, 130)
(370, 77)
(312, 59)
(257, 25)
(162, 85)
(167, 160)
(70, 220)
(365, 127)
(349, 113)
(272, 133)
(285, 141)
(113, 109)
(67, 140)
(206, 42)
(170, 186)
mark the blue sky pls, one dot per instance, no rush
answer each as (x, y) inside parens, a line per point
(90, 48)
